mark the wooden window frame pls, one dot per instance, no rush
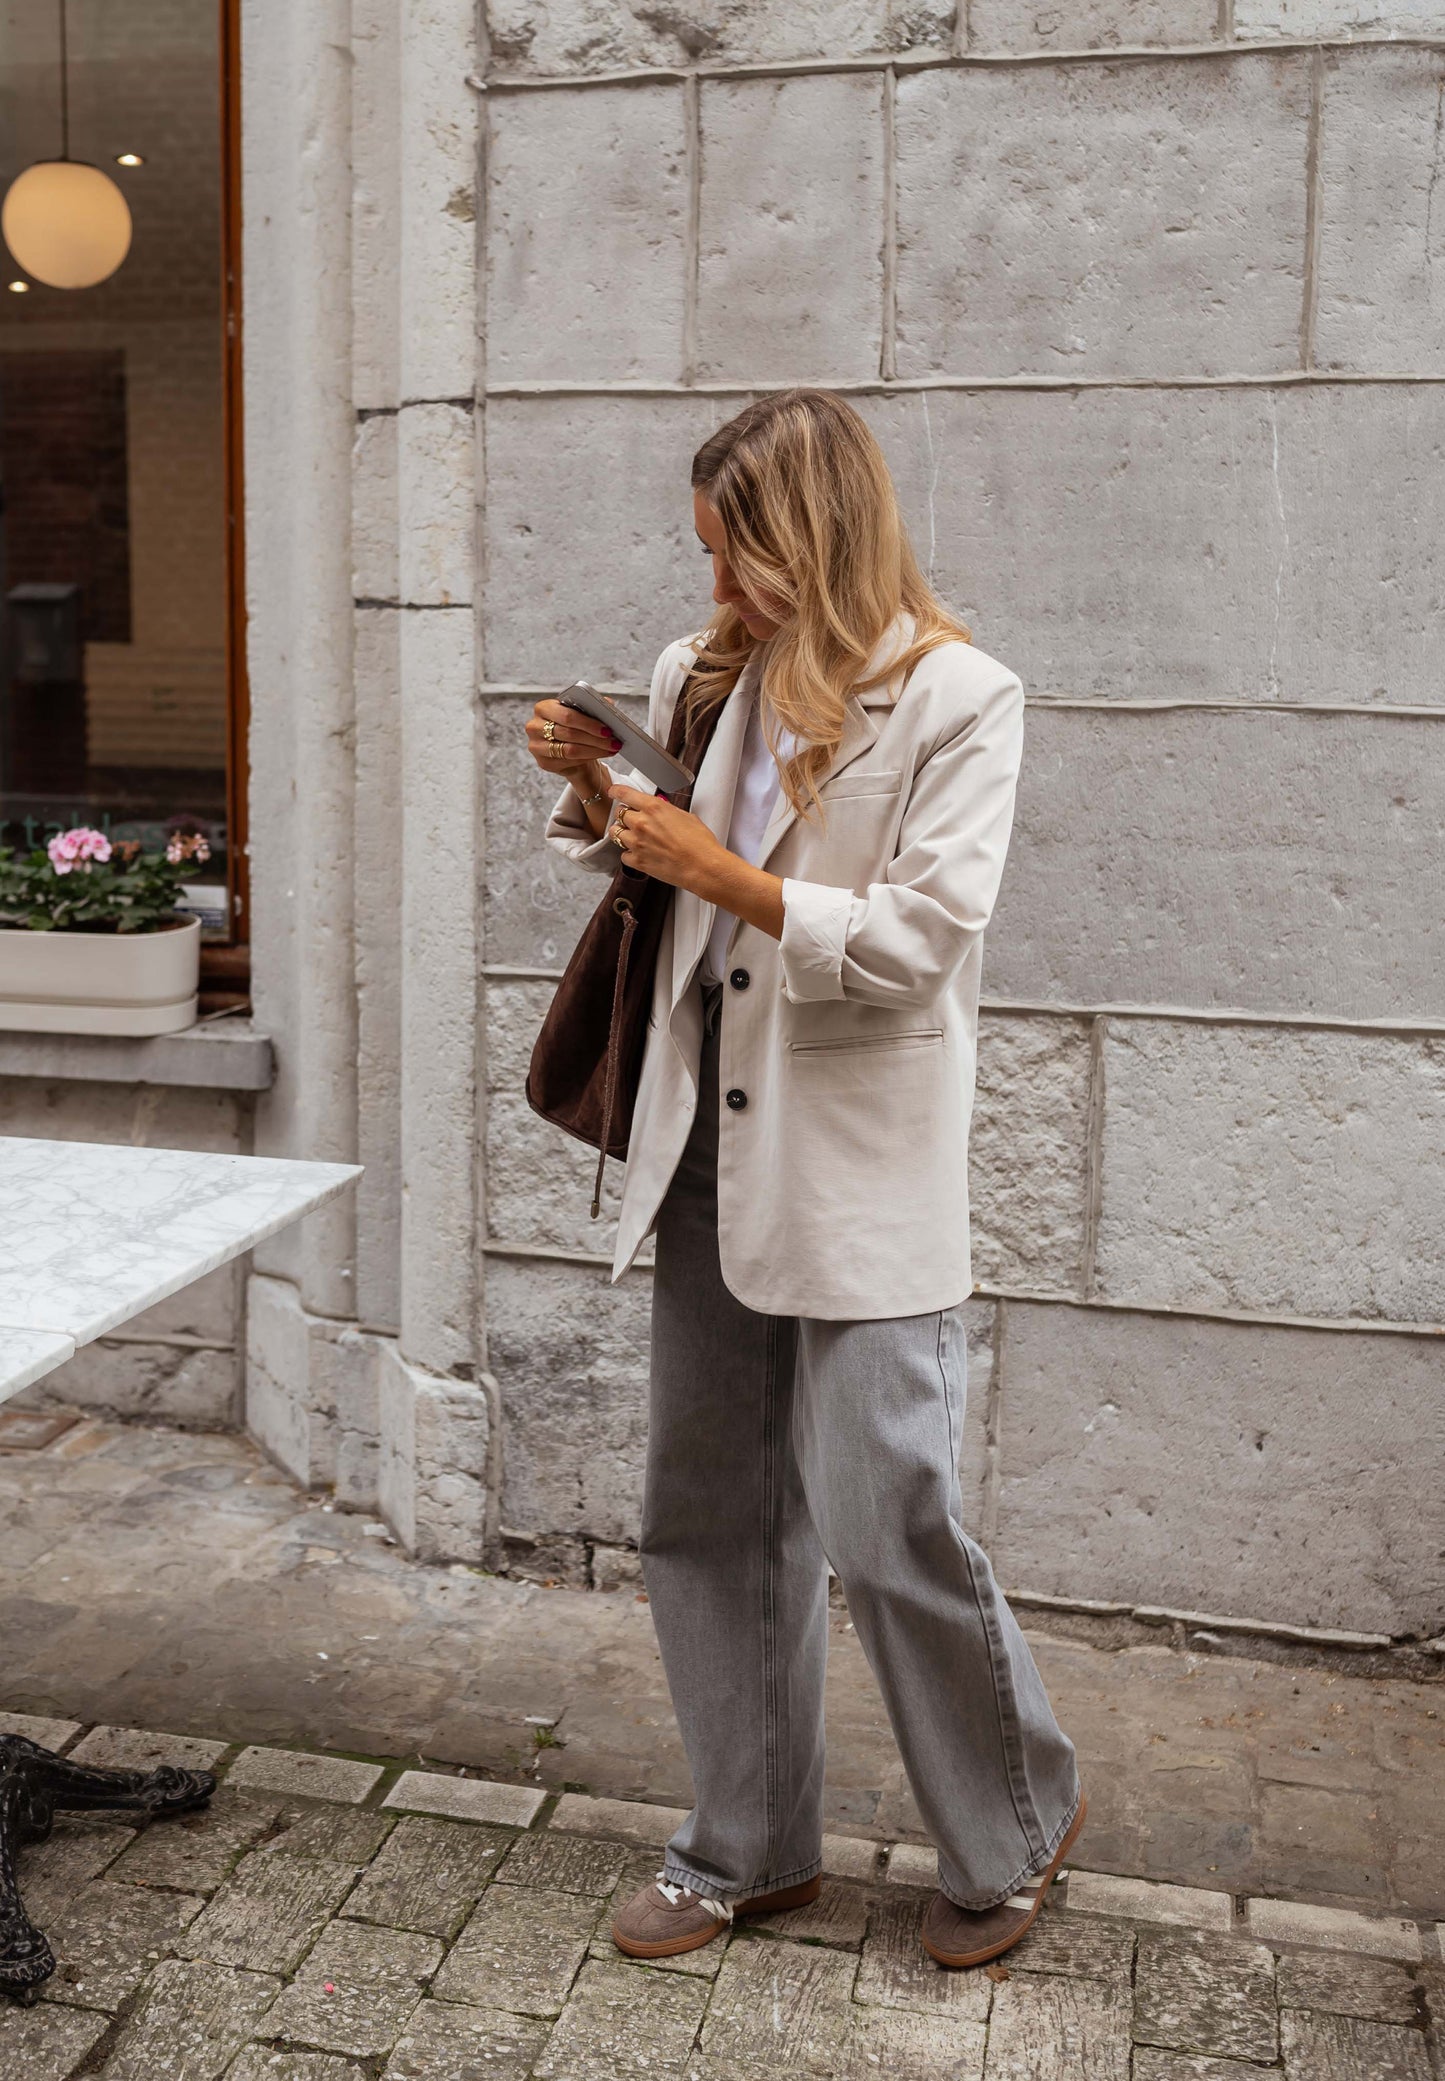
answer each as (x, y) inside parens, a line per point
(226, 966)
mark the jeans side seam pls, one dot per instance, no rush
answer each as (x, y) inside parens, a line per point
(1032, 1866)
(1005, 1703)
(770, 1634)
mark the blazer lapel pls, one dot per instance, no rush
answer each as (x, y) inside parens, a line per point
(859, 731)
(859, 726)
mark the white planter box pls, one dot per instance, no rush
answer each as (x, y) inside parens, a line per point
(100, 982)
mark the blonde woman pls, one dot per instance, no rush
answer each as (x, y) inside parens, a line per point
(799, 1147)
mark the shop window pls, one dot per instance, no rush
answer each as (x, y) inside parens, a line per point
(121, 688)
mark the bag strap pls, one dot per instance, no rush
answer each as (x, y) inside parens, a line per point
(679, 732)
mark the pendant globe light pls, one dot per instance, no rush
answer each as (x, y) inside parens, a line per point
(65, 221)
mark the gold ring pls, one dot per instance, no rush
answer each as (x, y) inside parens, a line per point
(549, 729)
(556, 749)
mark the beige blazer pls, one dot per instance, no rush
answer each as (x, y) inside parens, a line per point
(843, 1179)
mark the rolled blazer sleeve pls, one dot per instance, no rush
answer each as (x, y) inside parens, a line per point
(902, 943)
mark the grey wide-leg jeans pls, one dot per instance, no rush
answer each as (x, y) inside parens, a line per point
(776, 1441)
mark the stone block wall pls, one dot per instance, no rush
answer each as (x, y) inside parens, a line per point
(1145, 304)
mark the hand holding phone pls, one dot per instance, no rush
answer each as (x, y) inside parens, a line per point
(641, 750)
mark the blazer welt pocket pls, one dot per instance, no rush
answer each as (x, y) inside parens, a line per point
(861, 784)
(853, 1043)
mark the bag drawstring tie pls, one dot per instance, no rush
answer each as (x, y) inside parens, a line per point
(625, 910)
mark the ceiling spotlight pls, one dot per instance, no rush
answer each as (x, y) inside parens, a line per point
(129, 159)
(19, 288)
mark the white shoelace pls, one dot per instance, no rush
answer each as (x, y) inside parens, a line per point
(675, 1895)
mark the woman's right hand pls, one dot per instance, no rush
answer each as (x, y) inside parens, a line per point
(574, 744)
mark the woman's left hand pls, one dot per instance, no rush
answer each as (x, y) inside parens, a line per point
(659, 839)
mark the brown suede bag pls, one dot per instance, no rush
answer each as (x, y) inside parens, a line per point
(587, 1059)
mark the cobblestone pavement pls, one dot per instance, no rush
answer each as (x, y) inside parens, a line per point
(167, 1579)
(336, 1919)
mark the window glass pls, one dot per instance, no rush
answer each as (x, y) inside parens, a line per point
(113, 536)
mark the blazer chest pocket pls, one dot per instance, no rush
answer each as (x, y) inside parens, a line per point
(869, 1043)
(849, 786)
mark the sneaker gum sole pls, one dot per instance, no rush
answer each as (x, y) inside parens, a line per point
(761, 1904)
(958, 1959)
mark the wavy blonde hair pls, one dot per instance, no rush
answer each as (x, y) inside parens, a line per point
(814, 536)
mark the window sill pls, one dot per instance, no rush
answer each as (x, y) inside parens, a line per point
(225, 1055)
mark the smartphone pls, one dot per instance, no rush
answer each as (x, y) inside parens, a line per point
(641, 750)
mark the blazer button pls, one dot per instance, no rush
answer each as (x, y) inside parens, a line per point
(737, 1100)
(740, 979)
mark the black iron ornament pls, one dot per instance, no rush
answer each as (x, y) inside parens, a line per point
(35, 1785)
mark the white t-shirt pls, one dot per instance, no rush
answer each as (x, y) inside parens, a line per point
(759, 784)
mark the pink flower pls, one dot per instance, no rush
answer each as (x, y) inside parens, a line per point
(78, 848)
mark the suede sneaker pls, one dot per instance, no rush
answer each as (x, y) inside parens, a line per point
(971, 1936)
(664, 1919)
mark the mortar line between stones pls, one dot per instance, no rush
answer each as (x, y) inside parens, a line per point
(1341, 1325)
(936, 61)
(481, 1100)
(515, 689)
(962, 27)
(1093, 1154)
(888, 328)
(692, 251)
(1030, 1008)
(1226, 21)
(903, 386)
(1313, 210)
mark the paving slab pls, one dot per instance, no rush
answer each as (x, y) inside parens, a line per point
(897, 1973)
(620, 2020)
(51, 1734)
(445, 2040)
(269, 1913)
(263, 2063)
(429, 1876)
(839, 1916)
(937, 2047)
(1099, 1893)
(564, 1863)
(46, 2043)
(779, 2007)
(198, 1850)
(1055, 2029)
(314, 1777)
(1301, 1922)
(467, 1799)
(356, 1991)
(520, 1951)
(1197, 1992)
(1343, 2048)
(1348, 1986)
(631, 1819)
(912, 1864)
(191, 2020)
(132, 1748)
(108, 1939)
(1083, 1949)
(52, 1873)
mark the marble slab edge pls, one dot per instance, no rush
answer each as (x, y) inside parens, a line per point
(27, 1355)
